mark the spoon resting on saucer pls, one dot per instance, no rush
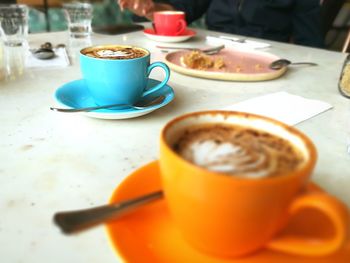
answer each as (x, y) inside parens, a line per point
(145, 102)
(280, 63)
(74, 221)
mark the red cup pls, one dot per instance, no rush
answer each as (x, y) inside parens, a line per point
(169, 23)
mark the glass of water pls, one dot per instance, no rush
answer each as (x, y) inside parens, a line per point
(79, 17)
(13, 24)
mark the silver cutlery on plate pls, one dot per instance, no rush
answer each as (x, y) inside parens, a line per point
(208, 51)
(233, 39)
(280, 63)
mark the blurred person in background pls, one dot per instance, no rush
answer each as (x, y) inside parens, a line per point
(293, 21)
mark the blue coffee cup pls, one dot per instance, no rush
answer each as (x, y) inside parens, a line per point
(119, 80)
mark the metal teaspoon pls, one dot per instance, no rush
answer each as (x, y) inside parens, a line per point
(43, 53)
(73, 221)
(280, 63)
(145, 102)
(209, 51)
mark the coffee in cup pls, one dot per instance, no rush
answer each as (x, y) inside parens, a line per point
(238, 150)
(233, 180)
(118, 74)
(115, 52)
(169, 23)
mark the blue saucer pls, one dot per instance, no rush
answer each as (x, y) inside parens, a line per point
(75, 94)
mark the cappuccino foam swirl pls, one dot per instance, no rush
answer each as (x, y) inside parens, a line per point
(238, 151)
(229, 158)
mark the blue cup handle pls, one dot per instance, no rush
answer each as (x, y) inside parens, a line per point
(165, 80)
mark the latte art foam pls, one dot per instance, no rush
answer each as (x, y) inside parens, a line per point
(238, 150)
(111, 53)
(114, 52)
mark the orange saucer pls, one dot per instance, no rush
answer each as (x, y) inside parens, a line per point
(148, 235)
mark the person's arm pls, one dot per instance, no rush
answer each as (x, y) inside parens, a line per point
(307, 29)
(144, 8)
(194, 9)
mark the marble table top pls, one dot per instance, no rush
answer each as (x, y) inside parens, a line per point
(52, 161)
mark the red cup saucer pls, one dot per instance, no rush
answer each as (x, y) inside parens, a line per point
(151, 34)
(149, 234)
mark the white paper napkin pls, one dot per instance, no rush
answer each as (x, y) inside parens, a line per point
(233, 41)
(60, 60)
(282, 106)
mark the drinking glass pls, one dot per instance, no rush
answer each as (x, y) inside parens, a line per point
(79, 17)
(12, 62)
(13, 24)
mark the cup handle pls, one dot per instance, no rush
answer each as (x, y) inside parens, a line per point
(182, 24)
(333, 209)
(165, 80)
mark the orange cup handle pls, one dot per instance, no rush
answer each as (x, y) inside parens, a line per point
(333, 209)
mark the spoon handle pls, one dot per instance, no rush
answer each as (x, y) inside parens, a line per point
(304, 63)
(87, 108)
(74, 221)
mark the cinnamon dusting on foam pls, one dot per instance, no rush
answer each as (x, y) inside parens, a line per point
(237, 150)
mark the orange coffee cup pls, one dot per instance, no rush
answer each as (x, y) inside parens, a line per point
(228, 215)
